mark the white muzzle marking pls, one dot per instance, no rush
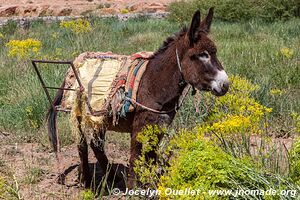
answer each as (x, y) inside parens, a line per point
(221, 79)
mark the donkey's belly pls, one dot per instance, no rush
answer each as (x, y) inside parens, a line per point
(124, 124)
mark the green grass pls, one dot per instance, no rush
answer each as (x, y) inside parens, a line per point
(249, 49)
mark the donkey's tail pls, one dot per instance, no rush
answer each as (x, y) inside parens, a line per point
(51, 119)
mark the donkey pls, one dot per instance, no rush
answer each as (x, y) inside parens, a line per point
(187, 58)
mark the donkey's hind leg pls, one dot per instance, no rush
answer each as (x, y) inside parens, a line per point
(97, 144)
(83, 154)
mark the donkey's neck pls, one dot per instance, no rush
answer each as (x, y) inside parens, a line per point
(163, 78)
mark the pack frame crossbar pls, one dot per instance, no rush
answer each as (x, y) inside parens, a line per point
(45, 87)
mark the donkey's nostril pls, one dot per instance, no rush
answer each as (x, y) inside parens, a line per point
(225, 86)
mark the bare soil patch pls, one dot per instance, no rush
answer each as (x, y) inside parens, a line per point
(37, 170)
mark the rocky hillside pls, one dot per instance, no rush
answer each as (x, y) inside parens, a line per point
(35, 8)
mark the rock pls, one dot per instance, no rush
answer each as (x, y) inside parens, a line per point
(65, 12)
(109, 11)
(157, 4)
(24, 24)
(146, 7)
(135, 6)
(44, 11)
(10, 11)
(29, 11)
(153, 9)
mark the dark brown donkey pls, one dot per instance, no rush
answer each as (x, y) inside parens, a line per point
(188, 58)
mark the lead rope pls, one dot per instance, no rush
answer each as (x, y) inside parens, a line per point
(180, 100)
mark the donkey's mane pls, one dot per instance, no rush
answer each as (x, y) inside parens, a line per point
(167, 43)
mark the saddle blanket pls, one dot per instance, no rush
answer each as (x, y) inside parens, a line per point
(106, 79)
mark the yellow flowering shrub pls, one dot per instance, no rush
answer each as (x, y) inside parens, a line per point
(237, 105)
(216, 154)
(124, 11)
(295, 162)
(285, 53)
(1, 36)
(201, 165)
(55, 36)
(145, 167)
(296, 119)
(87, 195)
(24, 48)
(209, 156)
(5, 189)
(32, 121)
(231, 124)
(77, 26)
(235, 117)
(276, 92)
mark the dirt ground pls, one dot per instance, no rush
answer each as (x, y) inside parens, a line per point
(33, 8)
(37, 171)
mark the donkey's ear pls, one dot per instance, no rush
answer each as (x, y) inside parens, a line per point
(205, 25)
(193, 36)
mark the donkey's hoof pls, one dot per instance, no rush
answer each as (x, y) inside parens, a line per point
(61, 179)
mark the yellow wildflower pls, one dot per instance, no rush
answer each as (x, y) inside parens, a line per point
(245, 112)
(286, 52)
(1, 36)
(55, 36)
(29, 110)
(124, 11)
(276, 92)
(77, 26)
(23, 48)
(233, 124)
(268, 110)
(296, 119)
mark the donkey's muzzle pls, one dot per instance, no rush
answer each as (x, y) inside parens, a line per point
(221, 90)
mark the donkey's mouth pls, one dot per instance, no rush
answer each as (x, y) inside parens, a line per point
(220, 91)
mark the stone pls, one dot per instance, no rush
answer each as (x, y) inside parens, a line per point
(109, 11)
(10, 11)
(64, 12)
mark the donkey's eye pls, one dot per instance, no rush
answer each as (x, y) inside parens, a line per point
(204, 55)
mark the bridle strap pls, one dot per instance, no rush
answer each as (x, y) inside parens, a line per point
(178, 61)
(182, 82)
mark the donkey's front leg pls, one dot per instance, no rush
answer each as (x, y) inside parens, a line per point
(135, 151)
(84, 169)
(140, 122)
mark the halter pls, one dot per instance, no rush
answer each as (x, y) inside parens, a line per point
(180, 100)
(182, 82)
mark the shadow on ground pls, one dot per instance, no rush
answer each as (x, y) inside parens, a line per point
(102, 183)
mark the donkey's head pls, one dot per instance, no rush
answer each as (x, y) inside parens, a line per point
(200, 65)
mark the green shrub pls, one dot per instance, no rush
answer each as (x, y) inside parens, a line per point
(146, 167)
(235, 10)
(217, 154)
(87, 195)
(295, 162)
(203, 166)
